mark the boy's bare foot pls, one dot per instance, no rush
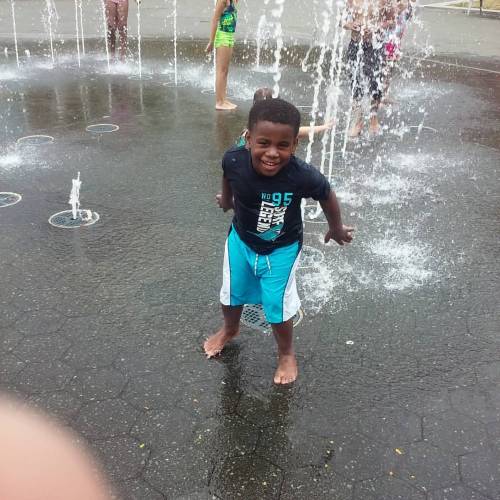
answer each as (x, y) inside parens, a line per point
(287, 370)
(374, 126)
(215, 343)
(356, 129)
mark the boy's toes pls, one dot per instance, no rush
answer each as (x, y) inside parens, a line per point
(211, 350)
(287, 372)
(284, 379)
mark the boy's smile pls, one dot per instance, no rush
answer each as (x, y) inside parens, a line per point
(271, 146)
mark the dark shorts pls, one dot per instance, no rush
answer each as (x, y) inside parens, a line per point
(365, 66)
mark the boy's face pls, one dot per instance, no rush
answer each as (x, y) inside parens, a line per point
(271, 146)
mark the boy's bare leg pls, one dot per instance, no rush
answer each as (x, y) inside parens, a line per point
(224, 55)
(356, 119)
(287, 370)
(122, 28)
(374, 124)
(111, 13)
(231, 327)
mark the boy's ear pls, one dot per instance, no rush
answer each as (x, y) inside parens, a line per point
(247, 138)
(295, 144)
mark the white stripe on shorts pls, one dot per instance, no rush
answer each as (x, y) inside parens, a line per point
(225, 291)
(291, 300)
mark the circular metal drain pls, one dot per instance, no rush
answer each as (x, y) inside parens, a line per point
(102, 128)
(65, 219)
(212, 92)
(253, 316)
(309, 210)
(346, 155)
(8, 199)
(35, 140)
(174, 85)
(140, 77)
(419, 129)
(310, 257)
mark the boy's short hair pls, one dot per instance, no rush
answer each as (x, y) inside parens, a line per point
(262, 93)
(276, 111)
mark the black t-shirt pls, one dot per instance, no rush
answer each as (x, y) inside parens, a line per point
(267, 211)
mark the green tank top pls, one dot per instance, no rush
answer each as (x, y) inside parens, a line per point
(227, 21)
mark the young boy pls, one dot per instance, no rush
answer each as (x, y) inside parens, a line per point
(265, 184)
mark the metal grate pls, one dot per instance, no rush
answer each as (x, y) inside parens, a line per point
(65, 219)
(140, 77)
(171, 83)
(8, 199)
(339, 154)
(253, 316)
(102, 128)
(35, 140)
(310, 257)
(418, 129)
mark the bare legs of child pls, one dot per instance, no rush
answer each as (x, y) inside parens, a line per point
(117, 16)
(224, 55)
(286, 372)
(374, 124)
(357, 118)
(230, 329)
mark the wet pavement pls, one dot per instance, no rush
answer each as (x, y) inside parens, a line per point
(399, 351)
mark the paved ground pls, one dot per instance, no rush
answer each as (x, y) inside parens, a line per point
(399, 349)
(449, 34)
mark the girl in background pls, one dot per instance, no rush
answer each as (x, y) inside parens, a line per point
(222, 32)
(117, 16)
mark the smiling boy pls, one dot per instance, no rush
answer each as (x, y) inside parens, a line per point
(264, 183)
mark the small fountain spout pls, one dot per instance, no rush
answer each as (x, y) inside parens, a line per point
(74, 197)
(14, 30)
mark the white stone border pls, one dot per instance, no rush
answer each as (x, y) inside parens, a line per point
(95, 218)
(17, 195)
(114, 128)
(22, 141)
(453, 5)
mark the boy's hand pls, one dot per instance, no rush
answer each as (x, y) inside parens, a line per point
(218, 199)
(341, 235)
(209, 47)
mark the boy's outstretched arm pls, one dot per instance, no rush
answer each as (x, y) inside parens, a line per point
(225, 199)
(337, 231)
(305, 130)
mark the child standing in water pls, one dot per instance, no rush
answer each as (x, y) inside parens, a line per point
(367, 22)
(222, 32)
(117, 16)
(394, 37)
(264, 185)
(267, 93)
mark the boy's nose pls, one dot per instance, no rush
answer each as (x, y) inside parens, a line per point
(273, 152)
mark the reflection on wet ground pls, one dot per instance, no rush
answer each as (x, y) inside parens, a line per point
(398, 350)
